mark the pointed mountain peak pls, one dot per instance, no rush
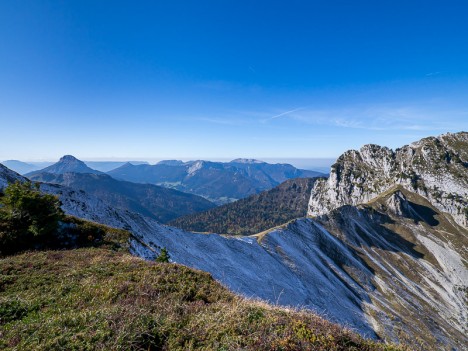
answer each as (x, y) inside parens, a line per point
(67, 164)
(70, 159)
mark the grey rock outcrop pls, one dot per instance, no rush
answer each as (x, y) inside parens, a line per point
(434, 167)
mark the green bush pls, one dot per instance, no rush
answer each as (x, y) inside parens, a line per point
(28, 218)
(163, 256)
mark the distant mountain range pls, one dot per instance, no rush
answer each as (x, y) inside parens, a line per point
(22, 167)
(27, 167)
(219, 182)
(255, 213)
(148, 200)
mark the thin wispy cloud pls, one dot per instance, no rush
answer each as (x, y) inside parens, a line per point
(283, 114)
(380, 117)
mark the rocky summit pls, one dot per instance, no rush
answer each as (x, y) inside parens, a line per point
(435, 168)
(67, 164)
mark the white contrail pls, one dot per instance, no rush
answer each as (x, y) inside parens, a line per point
(286, 113)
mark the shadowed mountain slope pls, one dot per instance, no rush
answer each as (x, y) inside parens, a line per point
(102, 299)
(149, 200)
(255, 213)
(8, 176)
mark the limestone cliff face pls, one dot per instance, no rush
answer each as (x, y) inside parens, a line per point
(435, 168)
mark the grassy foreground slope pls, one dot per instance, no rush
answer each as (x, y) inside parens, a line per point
(99, 299)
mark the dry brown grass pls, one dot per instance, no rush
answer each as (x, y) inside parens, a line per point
(95, 299)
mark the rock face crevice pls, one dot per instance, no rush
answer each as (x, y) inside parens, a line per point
(435, 168)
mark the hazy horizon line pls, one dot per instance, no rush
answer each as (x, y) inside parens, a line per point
(152, 159)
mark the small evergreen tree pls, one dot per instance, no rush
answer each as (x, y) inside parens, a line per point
(163, 256)
(27, 217)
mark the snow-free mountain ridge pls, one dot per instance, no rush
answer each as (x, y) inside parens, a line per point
(255, 213)
(435, 168)
(28, 167)
(149, 200)
(8, 176)
(67, 164)
(392, 265)
(220, 182)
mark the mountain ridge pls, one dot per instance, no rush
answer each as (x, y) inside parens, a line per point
(255, 213)
(220, 182)
(28, 167)
(66, 164)
(434, 167)
(8, 176)
(374, 267)
(149, 200)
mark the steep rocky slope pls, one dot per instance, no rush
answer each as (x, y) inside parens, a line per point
(149, 200)
(8, 176)
(435, 168)
(255, 213)
(417, 256)
(395, 268)
(94, 299)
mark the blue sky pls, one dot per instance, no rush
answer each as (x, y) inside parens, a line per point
(227, 79)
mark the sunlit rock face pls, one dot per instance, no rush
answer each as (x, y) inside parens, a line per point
(435, 168)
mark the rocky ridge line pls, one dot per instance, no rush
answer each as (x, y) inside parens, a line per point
(434, 167)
